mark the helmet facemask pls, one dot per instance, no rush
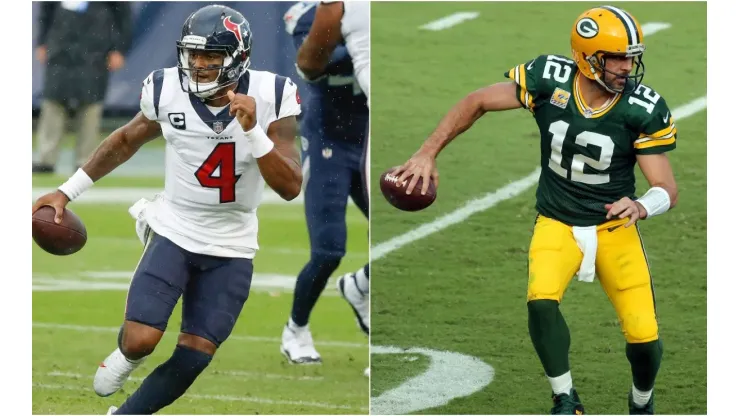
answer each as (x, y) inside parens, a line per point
(234, 65)
(227, 73)
(597, 62)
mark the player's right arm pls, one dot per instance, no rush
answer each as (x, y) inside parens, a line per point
(121, 145)
(518, 93)
(325, 34)
(497, 97)
(298, 21)
(116, 149)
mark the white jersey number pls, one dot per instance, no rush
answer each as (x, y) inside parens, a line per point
(555, 70)
(576, 171)
(651, 96)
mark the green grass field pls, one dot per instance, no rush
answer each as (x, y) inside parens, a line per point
(463, 289)
(78, 304)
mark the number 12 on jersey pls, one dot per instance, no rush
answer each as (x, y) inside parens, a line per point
(576, 172)
(223, 157)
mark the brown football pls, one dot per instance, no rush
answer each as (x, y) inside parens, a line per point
(61, 239)
(396, 195)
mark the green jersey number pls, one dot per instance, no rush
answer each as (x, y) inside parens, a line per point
(584, 139)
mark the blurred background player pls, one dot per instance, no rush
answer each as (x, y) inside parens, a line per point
(79, 42)
(333, 130)
(229, 131)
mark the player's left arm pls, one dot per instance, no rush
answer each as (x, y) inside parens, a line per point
(275, 151)
(659, 174)
(658, 135)
(325, 34)
(281, 167)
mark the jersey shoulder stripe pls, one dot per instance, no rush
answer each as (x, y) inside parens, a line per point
(158, 81)
(279, 87)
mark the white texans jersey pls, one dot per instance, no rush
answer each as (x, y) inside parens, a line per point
(213, 185)
(356, 34)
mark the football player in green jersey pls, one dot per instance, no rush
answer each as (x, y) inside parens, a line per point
(596, 120)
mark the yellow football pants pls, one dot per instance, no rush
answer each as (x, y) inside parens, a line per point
(621, 267)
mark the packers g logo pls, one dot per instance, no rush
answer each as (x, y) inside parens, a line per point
(587, 27)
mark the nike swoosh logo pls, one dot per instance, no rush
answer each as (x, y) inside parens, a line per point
(665, 119)
(530, 65)
(610, 229)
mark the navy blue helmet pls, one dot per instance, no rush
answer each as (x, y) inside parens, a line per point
(219, 29)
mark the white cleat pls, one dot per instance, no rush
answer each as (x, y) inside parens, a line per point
(297, 346)
(347, 287)
(113, 372)
(367, 372)
(111, 410)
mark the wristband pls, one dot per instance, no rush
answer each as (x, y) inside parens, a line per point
(261, 144)
(656, 201)
(76, 185)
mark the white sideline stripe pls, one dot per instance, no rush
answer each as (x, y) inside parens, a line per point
(690, 108)
(219, 397)
(260, 281)
(652, 28)
(211, 374)
(449, 21)
(492, 199)
(115, 329)
(105, 280)
(268, 250)
(129, 195)
(450, 375)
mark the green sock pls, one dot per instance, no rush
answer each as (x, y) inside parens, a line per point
(645, 361)
(550, 336)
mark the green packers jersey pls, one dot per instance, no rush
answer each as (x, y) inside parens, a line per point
(588, 156)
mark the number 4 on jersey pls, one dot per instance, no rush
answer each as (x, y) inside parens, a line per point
(223, 157)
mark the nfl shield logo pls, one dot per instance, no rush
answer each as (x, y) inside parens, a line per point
(218, 126)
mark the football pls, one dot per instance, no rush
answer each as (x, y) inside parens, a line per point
(396, 195)
(61, 239)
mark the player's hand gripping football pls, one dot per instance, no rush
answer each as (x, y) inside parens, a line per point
(245, 109)
(626, 207)
(56, 200)
(422, 166)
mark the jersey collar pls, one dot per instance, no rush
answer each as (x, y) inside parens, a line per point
(587, 111)
(220, 121)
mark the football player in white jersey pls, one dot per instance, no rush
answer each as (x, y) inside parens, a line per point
(228, 131)
(334, 22)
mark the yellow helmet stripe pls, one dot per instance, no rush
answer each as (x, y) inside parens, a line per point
(629, 25)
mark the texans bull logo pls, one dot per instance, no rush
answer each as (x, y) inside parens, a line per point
(235, 28)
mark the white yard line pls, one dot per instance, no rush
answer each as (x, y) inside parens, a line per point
(492, 199)
(449, 21)
(210, 374)
(115, 329)
(651, 28)
(450, 375)
(129, 195)
(219, 397)
(93, 281)
(134, 241)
